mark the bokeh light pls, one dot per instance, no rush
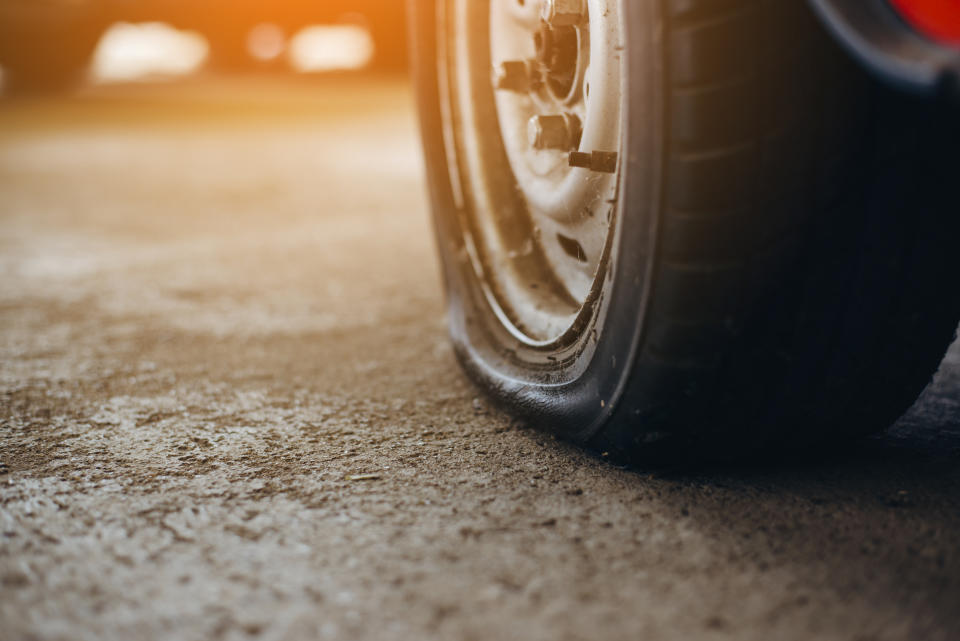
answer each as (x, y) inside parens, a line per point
(327, 48)
(266, 41)
(132, 51)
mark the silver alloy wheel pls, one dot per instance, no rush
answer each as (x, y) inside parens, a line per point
(534, 126)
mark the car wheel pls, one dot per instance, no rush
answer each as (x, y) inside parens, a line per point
(683, 229)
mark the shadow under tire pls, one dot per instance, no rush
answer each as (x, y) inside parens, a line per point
(781, 255)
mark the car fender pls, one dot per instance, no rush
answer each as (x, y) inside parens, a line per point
(881, 40)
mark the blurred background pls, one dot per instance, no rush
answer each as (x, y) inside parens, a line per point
(51, 45)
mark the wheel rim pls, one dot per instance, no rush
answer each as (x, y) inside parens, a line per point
(534, 126)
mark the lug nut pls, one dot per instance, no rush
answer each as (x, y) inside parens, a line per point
(563, 12)
(599, 161)
(554, 132)
(513, 75)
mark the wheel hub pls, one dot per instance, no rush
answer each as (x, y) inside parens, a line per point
(558, 51)
(557, 76)
(542, 195)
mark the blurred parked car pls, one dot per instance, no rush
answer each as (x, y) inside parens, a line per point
(48, 43)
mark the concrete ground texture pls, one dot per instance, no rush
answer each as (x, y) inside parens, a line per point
(230, 411)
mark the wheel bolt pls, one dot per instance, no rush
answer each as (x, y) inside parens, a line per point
(513, 75)
(599, 161)
(563, 12)
(554, 132)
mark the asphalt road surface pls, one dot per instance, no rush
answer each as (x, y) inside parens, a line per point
(230, 411)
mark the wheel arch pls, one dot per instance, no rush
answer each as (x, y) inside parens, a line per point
(882, 41)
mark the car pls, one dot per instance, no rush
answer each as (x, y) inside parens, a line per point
(48, 43)
(688, 230)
